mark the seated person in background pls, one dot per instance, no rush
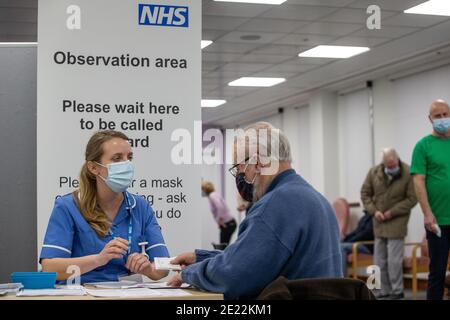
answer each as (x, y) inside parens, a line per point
(363, 232)
(220, 211)
(98, 227)
(291, 229)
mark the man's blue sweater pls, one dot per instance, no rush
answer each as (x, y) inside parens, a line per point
(291, 231)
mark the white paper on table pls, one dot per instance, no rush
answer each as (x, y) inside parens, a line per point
(163, 263)
(115, 284)
(51, 292)
(162, 285)
(10, 288)
(123, 293)
(132, 285)
(174, 293)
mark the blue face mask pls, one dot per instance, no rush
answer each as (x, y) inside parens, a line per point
(441, 125)
(120, 175)
(392, 171)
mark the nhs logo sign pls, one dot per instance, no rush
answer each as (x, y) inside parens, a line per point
(165, 16)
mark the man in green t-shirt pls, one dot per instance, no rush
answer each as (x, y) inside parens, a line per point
(431, 169)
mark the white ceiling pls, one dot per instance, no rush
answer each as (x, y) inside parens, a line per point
(286, 30)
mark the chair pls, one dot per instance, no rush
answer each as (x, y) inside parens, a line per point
(342, 210)
(316, 289)
(416, 264)
(357, 260)
(219, 246)
(412, 265)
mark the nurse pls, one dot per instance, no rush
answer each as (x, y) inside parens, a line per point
(99, 226)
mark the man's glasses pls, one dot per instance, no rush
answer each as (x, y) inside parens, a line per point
(234, 169)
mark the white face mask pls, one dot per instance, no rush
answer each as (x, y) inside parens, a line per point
(120, 175)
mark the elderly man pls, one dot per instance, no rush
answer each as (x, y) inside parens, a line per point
(431, 170)
(291, 230)
(388, 195)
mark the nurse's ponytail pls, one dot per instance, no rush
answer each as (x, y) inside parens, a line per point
(87, 193)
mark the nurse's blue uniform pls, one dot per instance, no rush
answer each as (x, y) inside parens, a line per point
(69, 235)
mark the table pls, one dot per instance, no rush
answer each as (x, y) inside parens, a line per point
(196, 295)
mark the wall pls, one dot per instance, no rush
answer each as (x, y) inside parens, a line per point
(18, 164)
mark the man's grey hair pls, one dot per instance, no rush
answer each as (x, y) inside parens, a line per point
(269, 142)
(389, 152)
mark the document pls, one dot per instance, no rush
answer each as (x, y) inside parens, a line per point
(51, 292)
(123, 293)
(164, 264)
(174, 293)
(6, 288)
(132, 285)
(114, 284)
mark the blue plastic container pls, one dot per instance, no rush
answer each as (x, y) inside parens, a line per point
(35, 280)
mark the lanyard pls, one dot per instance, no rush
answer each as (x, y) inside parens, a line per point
(130, 222)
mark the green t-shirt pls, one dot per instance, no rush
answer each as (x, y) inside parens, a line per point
(431, 157)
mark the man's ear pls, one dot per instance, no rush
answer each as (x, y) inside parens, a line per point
(429, 118)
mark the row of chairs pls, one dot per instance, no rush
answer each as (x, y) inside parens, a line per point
(412, 265)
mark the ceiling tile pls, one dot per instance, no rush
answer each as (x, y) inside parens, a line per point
(210, 34)
(228, 93)
(230, 47)
(298, 12)
(271, 25)
(413, 20)
(220, 56)
(330, 28)
(250, 67)
(222, 23)
(394, 5)
(264, 58)
(359, 16)
(235, 36)
(386, 32)
(305, 39)
(291, 66)
(325, 3)
(206, 65)
(280, 49)
(235, 9)
(360, 41)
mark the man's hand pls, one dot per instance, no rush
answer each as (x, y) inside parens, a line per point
(139, 263)
(430, 221)
(175, 281)
(185, 259)
(387, 215)
(379, 216)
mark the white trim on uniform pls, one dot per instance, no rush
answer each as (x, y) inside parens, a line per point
(156, 245)
(56, 247)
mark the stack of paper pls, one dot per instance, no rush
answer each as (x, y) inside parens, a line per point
(10, 288)
(130, 285)
(123, 293)
(51, 292)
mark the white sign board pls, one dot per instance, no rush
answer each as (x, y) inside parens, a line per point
(133, 66)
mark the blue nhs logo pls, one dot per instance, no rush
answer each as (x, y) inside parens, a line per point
(166, 16)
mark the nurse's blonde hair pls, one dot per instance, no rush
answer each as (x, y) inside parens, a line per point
(86, 195)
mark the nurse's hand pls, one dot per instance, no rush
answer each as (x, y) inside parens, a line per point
(115, 249)
(175, 281)
(185, 259)
(139, 263)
